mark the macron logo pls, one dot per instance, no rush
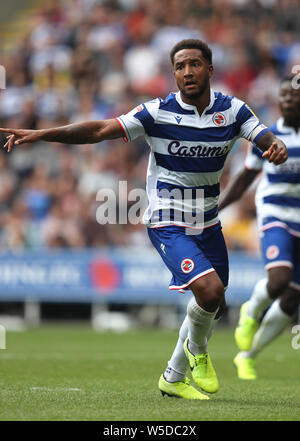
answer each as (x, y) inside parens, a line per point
(178, 119)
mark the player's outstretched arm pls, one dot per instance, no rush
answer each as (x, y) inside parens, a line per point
(82, 133)
(274, 149)
(237, 186)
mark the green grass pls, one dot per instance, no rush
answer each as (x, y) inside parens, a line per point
(73, 373)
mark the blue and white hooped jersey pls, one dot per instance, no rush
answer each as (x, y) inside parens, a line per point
(278, 192)
(188, 153)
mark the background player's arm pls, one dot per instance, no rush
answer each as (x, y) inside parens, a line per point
(237, 186)
(82, 133)
(274, 149)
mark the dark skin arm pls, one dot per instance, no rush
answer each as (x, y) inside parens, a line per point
(237, 187)
(83, 133)
(274, 151)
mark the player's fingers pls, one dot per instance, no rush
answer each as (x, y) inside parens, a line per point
(5, 130)
(24, 139)
(17, 132)
(11, 143)
(281, 157)
(271, 153)
(268, 152)
(274, 151)
(7, 141)
(21, 140)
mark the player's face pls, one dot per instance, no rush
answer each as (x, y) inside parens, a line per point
(192, 73)
(289, 103)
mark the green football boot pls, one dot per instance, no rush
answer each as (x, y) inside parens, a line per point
(246, 329)
(245, 367)
(203, 372)
(180, 389)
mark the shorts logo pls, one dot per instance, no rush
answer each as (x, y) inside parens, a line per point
(187, 265)
(272, 252)
(219, 119)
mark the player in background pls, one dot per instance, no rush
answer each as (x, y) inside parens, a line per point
(190, 134)
(278, 213)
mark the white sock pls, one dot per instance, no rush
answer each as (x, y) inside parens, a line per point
(259, 300)
(273, 323)
(199, 325)
(212, 328)
(178, 363)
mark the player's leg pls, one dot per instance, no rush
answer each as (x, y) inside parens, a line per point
(203, 308)
(181, 256)
(217, 318)
(280, 314)
(173, 381)
(276, 319)
(210, 241)
(201, 312)
(178, 363)
(267, 290)
(278, 262)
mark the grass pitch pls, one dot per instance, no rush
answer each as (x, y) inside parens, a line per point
(74, 373)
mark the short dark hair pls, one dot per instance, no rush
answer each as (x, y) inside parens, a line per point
(192, 44)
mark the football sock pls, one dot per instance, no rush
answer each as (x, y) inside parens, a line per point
(212, 328)
(273, 323)
(259, 300)
(178, 363)
(199, 326)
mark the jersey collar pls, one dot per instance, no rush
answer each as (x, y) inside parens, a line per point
(191, 107)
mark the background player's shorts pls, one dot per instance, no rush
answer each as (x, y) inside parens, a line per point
(190, 257)
(281, 248)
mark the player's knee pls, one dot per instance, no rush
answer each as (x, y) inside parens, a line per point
(278, 281)
(208, 292)
(290, 301)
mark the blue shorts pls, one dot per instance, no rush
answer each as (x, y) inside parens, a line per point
(190, 257)
(281, 248)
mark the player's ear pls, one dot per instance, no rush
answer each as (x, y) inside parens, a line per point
(210, 70)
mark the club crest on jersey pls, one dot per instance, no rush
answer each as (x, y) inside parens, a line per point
(272, 252)
(219, 119)
(139, 108)
(187, 265)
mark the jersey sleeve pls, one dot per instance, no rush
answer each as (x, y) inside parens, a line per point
(254, 159)
(249, 125)
(136, 122)
(131, 126)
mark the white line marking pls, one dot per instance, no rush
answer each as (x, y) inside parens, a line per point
(56, 389)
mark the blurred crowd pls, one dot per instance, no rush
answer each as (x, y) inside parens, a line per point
(92, 59)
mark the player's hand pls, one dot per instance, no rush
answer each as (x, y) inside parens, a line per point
(276, 153)
(19, 136)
